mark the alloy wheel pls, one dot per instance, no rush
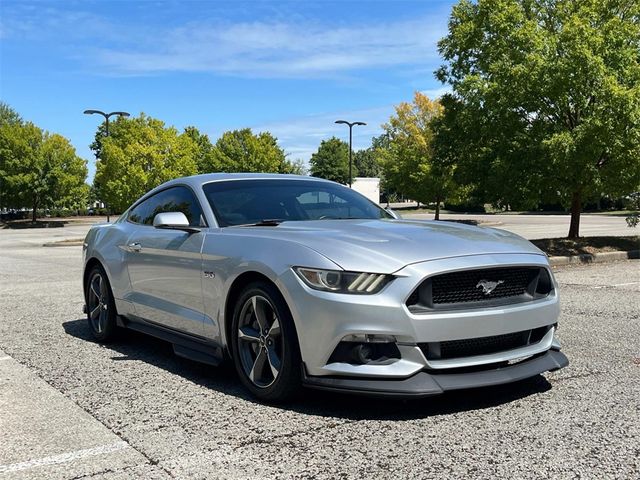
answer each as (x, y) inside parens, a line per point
(98, 302)
(260, 341)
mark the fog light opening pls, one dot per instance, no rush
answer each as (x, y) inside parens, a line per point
(362, 353)
(366, 350)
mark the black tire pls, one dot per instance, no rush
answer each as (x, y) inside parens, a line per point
(101, 308)
(268, 363)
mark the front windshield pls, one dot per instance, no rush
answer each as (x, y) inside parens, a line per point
(246, 202)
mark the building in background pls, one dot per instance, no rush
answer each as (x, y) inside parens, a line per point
(369, 187)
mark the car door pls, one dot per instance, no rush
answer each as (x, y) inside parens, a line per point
(165, 266)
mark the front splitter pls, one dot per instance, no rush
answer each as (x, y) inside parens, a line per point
(425, 384)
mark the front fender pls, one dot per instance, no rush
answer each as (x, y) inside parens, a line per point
(227, 256)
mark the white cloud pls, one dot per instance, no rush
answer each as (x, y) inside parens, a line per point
(434, 93)
(278, 50)
(301, 136)
(281, 47)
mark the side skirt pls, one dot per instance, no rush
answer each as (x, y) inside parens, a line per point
(184, 345)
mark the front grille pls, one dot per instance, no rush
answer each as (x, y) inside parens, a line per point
(481, 287)
(470, 347)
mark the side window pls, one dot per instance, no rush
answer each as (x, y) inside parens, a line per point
(175, 199)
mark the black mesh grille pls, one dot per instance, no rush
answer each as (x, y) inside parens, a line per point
(483, 345)
(466, 286)
(488, 286)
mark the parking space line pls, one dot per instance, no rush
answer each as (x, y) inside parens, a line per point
(609, 286)
(64, 457)
(6, 357)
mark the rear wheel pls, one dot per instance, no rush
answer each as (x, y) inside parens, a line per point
(264, 343)
(101, 310)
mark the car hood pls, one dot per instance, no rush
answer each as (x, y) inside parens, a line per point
(385, 246)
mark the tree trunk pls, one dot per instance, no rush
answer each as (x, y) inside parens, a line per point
(35, 207)
(576, 209)
(437, 215)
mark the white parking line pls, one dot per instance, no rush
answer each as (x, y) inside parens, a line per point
(64, 457)
(6, 357)
(617, 285)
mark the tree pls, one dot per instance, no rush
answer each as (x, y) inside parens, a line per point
(8, 119)
(39, 169)
(331, 161)
(546, 98)
(69, 173)
(204, 148)
(139, 154)
(413, 167)
(244, 151)
(298, 167)
(8, 116)
(366, 162)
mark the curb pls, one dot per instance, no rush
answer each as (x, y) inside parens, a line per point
(64, 244)
(594, 258)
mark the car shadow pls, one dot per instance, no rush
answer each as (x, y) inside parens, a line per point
(137, 346)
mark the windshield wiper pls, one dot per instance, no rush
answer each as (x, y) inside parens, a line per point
(265, 222)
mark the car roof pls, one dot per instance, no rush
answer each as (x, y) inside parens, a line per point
(198, 180)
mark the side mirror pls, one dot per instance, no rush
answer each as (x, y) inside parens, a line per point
(173, 221)
(393, 213)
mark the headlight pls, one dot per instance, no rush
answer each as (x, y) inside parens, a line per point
(343, 282)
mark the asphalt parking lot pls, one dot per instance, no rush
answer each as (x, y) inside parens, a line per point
(70, 408)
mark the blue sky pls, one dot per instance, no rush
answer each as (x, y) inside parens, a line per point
(288, 67)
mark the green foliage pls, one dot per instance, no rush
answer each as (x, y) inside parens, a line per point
(244, 151)
(367, 161)
(8, 116)
(634, 203)
(38, 169)
(331, 161)
(139, 154)
(297, 167)
(546, 99)
(413, 166)
(204, 148)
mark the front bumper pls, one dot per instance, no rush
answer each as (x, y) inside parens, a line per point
(426, 384)
(323, 319)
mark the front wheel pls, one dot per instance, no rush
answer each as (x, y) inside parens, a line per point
(264, 344)
(101, 309)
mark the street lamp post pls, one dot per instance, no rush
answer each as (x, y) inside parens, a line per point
(350, 124)
(106, 118)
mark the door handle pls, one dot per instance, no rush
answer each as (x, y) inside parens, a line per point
(135, 247)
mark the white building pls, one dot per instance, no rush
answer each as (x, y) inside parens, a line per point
(369, 187)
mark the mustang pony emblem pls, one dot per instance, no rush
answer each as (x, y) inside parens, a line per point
(488, 286)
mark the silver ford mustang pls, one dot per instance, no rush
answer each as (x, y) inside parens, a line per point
(301, 281)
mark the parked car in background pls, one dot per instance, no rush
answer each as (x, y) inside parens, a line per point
(302, 281)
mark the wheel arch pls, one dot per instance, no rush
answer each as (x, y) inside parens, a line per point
(92, 262)
(89, 265)
(234, 291)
